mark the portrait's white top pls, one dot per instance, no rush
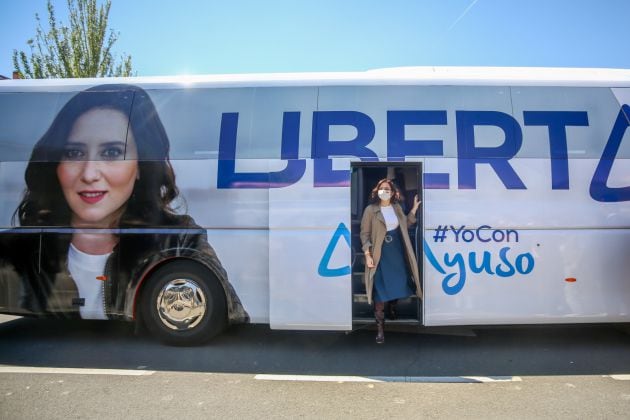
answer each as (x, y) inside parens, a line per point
(391, 221)
(84, 268)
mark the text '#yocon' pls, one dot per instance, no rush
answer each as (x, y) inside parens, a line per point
(483, 234)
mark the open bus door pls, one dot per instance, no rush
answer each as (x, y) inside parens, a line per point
(408, 178)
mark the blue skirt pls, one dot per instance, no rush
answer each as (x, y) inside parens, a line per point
(391, 280)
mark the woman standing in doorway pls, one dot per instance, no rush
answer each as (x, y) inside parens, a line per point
(390, 263)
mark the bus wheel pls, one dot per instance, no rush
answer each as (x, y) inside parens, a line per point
(183, 304)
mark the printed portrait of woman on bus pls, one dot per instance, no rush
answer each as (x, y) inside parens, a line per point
(101, 173)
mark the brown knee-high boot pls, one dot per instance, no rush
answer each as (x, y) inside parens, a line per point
(379, 314)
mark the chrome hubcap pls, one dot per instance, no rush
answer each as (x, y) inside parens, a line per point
(181, 304)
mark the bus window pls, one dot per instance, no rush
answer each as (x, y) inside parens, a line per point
(24, 119)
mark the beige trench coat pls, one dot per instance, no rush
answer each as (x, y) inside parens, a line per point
(373, 231)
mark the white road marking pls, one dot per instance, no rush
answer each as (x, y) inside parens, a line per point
(74, 371)
(315, 378)
(620, 377)
(415, 379)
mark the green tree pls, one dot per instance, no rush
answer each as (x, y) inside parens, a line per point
(83, 49)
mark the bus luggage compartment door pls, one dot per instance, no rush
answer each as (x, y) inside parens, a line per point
(309, 255)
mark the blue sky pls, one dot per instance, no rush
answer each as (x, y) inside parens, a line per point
(246, 36)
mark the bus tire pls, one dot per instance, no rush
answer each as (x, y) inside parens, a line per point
(183, 304)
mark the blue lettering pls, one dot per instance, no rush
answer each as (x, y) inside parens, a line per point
(229, 178)
(485, 263)
(557, 121)
(520, 264)
(436, 181)
(479, 233)
(599, 189)
(323, 146)
(469, 155)
(468, 238)
(498, 236)
(513, 233)
(504, 259)
(398, 147)
(431, 257)
(524, 265)
(457, 231)
(458, 261)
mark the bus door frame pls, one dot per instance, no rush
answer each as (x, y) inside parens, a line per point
(358, 201)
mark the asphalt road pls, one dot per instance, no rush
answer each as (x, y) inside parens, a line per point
(54, 369)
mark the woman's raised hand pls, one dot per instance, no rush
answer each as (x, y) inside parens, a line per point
(416, 203)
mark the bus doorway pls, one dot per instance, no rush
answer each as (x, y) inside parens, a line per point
(408, 178)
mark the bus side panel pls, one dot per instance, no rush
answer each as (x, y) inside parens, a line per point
(236, 221)
(495, 256)
(309, 255)
(527, 238)
(548, 276)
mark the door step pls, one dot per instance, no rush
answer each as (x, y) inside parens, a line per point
(412, 326)
(400, 321)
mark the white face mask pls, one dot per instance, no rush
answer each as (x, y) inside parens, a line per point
(384, 195)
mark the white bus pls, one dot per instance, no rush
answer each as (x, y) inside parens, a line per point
(192, 203)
